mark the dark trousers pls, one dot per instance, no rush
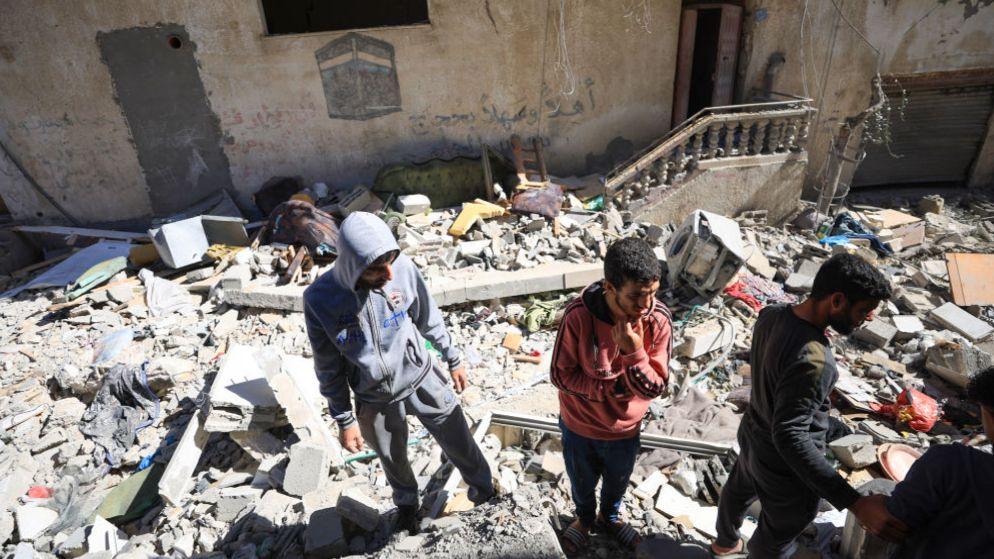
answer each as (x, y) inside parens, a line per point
(590, 460)
(788, 505)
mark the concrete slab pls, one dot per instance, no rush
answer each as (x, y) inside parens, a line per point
(704, 338)
(877, 333)
(177, 480)
(956, 319)
(294, 389)
(324, 535)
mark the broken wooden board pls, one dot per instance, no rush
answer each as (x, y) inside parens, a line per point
(970, 278)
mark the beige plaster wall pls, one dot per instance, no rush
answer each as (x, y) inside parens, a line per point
(827, 60)
(481, 71)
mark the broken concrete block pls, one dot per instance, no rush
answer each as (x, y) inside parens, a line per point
(168, 371)
(177, 480)
(799, 283)
(908, 326)
(279, 298)
(240, 398)
(411, 204)
(32, 521)
(274, 510)
(257, 444)
(120, 293)
(956, 319)
(704, 338)
(856, 451)
(932, 203)
(357, 507)
(650, 485)
(308, 468)
(18, 471)
(199, 274)
(956, 364)
(232, 501)
(877, 333)
(324, 536)
(236, 277)
(674, 504)
(409, 544)
(105, 537)
(553, 464)
(290, 379)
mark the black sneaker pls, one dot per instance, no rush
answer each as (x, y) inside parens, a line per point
(407, 518)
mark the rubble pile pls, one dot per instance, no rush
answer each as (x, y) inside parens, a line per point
(155, 414)
(516, 241)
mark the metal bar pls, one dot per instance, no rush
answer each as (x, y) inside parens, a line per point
(648, 440)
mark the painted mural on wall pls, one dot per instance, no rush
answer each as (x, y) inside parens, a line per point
(359, 75)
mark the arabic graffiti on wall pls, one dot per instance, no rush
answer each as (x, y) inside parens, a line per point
(493, 115)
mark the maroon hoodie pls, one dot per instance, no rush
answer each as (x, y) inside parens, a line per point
(587, 365)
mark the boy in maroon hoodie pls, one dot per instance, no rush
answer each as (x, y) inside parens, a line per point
(609, 362)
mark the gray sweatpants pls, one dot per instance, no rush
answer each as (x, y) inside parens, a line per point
(384, 427)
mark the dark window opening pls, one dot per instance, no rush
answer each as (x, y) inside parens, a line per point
(310, 16)
(705, 59)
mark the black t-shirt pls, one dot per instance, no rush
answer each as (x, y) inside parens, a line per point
(793, 374)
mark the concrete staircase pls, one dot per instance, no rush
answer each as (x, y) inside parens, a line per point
(723, 159)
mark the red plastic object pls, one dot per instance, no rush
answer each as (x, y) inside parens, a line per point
(39, 492)
(920, 411)
(896, 459)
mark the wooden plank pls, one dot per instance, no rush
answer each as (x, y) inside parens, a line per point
(83, 232)
(970, 278)
(728, 55)
(685, 62)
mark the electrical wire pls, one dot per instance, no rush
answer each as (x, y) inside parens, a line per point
(563, 64)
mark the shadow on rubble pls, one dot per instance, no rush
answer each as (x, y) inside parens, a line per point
(257, 537)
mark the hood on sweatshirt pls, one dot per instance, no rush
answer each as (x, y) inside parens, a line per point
(362, 239)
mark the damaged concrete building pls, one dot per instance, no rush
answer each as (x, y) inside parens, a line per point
(158, 159)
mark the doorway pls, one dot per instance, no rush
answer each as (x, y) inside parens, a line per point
(706, 58)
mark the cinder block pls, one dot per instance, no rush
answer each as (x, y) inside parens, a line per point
(704, 338)
(908, 326)
(324, 536)
(855, 451)
(877, 333)
(357, 507)
(308, 468)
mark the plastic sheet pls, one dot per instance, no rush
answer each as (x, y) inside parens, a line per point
(110, 345)
(163, 296)
(123, 406)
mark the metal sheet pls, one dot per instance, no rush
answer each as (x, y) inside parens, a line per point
(648, 440)
(971, 278)
(938, 139)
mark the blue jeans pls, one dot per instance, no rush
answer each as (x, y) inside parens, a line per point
(590, 460)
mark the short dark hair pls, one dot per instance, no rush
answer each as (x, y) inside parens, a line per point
(630, 259)
(981, 388)
(852, 276)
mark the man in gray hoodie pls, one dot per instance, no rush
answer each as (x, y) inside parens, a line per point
(368, 321)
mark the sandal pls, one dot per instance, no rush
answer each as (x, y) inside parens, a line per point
(574, 540)
(737, 552)
(621, 531)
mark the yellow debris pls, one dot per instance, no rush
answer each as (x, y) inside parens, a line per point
(471, 211)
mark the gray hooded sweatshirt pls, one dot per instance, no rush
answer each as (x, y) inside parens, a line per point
(371, 341)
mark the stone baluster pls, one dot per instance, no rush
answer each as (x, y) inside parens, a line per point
(773, 140)
(757, 140)
(713, 140)
(802, 132)
(790, 135)
(730, 128)
(695, 145)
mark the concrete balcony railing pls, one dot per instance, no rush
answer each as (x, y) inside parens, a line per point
(751, 133)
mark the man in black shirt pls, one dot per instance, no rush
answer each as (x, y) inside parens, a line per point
(947, 496)
(782, 434)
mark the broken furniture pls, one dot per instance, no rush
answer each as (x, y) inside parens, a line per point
(185, 242)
